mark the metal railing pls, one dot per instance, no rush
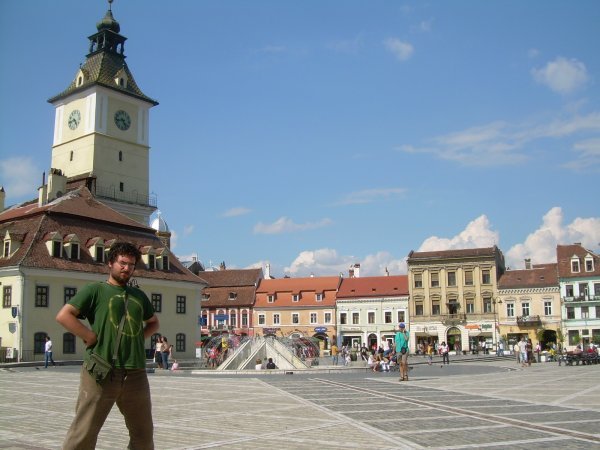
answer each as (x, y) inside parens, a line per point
(112, 193)
(529, 320)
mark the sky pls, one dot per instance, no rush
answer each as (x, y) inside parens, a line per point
(314, 135)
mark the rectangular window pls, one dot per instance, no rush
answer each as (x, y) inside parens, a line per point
(452, 278)
(470, 308)
(233, 319)
(585, 312)
(401, 316)
(343, 318)
(583, 290)
(271, 298)
(355, 318)
(435, 309)
(41, 296)
(597, 290)
(510, 310)
(6, 249)
(387, 317)
(74, 251)
(597, 312)
(487, 305)
(589, 265)
(7, 296)
(313, 318)
(435, 279)
(68, 343)
(575, 265)
(327, 317)
(319, 297)
(468, 278)
(418, 280)
(180, 342)
(261, 319)
(547, 308)
(276, 319)
(99, 253)
(151, 262)
(295, 318)
(371, 317)
(486, 277)
(121, 186)
(180, 304)
(57, 249)
(570, 312)
(157, 302)
(70, 293)
(525, 308)
(569, 291)
(418, 309)
(296, 297)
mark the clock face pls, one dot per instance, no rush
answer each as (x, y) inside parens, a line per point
(122, 120)
(74, 119)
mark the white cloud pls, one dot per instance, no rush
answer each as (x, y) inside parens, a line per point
(174, 239)
(327, 262)
(188, 229)
(501, 143)
(540, 246)
(588, 156)
(477, 234)
(401, 50)
(18, 175)
(372, 195)
(234, 212)
(286, 225)
(562, 75)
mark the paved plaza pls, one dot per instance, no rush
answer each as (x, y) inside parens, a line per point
(493, 404)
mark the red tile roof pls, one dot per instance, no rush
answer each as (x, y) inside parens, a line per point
(285, 288)
(230, 287)
(540, 275)
(78, 213)
(564, 254)
(396, 285)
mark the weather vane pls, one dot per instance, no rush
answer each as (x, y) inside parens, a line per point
(110, 5)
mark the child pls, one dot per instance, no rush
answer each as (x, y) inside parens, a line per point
(429, 354)
(175, 365)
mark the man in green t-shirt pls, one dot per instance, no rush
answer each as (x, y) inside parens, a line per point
(103, 304)
(402, 350)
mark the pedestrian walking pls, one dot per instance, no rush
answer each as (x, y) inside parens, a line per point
(112, 307)
(48, 353)
(334, 354)
(445, 350)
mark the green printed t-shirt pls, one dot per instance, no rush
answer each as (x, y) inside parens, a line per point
(103, 306)
(401, 341)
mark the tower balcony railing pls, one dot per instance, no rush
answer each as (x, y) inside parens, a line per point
(112, 193)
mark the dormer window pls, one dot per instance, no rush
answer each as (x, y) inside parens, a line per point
(575, 265)
(205, 296)
(6, 252)
(163, 258)
(12, 243)
(232, 295)
(80, 78)
(151, 262)
(589, 264)
(296, 297)
(71, 246)
(149, 257)
(319, 297)
(54, 244)
(121, 78)
(271, 298)
(96, 248)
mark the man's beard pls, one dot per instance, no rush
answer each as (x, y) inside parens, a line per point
(121, 278)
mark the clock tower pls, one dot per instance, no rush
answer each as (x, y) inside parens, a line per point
(101, 127)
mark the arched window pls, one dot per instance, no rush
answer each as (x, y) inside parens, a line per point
(68, 343)
(39, 342)
(180, 342)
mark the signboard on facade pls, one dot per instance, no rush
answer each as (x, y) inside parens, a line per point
(320, 329)
(486, 326)
(270, 330)
(472, 326)
(221, 317)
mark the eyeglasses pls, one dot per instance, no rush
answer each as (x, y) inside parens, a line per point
(126, 264)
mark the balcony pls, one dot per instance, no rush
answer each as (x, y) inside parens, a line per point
(528, 321)
(454, 319)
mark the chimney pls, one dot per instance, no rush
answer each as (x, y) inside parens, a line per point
(527, 263)
(577, 243)
(2, 197)
(354, 271)
(57, 184)
(268, 271)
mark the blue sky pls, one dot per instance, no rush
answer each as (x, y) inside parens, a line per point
(317, 134)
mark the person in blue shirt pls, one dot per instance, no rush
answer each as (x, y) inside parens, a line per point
(402, 337)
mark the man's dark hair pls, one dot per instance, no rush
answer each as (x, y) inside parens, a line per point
(123, 249)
